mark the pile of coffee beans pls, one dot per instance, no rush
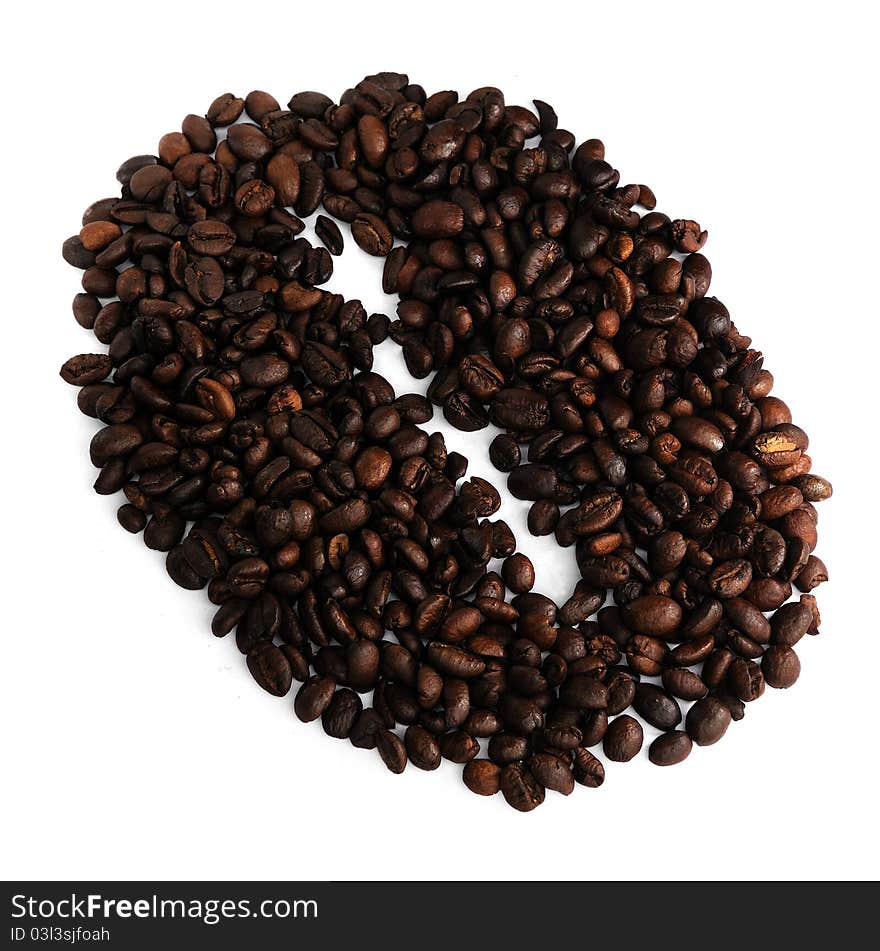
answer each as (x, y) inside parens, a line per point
(339, 539)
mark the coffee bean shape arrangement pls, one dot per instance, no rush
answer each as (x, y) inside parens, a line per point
(340, 540)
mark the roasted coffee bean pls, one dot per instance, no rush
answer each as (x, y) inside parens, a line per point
(372, 234)
(181, 572)
(707, 721)
(790, 623)
(86, 368)
(656, 707)
(365, 730)
(459, 746)
(341, 714)
(520, 788)
(328, 232)
(131, 518)
(483, 777)
(313, 698)
(422, 748)
(255, 445)
(670, 748)
(392, 750)
(270, 668)
(504, 453)
(587, 769)
(780, 666)
(507, 748)
(745, 680)
(655, 615)
(518, 573)
(684, 684)
(623, 739)
(552, 773)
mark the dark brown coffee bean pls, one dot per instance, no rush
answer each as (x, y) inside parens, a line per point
(623, 739)
(225, 109)
(520, 788)
(520, 409)
(392, 750)
(329, 234)
(584, 693)
(341, 714)
(587, 769)
(459, 746)
(86, 368)
(507, 748)
(655, 615)
(745, 680)
(670, 748)
(790, 623)
(684, 684)
(422, 748)
(313, 698)
(483, 777)
(372, 234)
(210, 237)
(365, 730)
(454, 661)
(707, 721)
(270, 668)
(780, 666)
(131, 518)
(518, 573)
(656, 707)
(438, 219)
(552, 773)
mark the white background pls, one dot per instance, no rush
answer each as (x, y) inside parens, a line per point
(135, 745)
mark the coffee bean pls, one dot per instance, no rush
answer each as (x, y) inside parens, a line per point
(438, 219)
(623, 739)
(86, 368)
(366, 728)
(520, 788)
(507, 748)
(552, 773)
(210, 237)
(270, 668)
(392, 750)
(422, 748)
(533, 481)
(520, 409)
(329, 234)
(224, 110)
(655, 615)
(587, 769)
(255, 445)
(790, 623)
(131, 518)
(656, 707)
(341, 714)
(181, 572)
(670, 748)
(459, 746)
(707, 721)
(780, 666)
(313, 698)
(483, 777)
(745, 680)
(372, 234)
(684, 684)
(518, 573)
